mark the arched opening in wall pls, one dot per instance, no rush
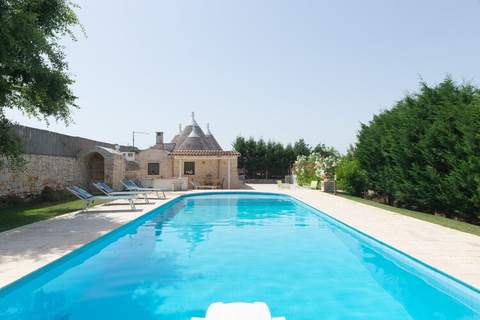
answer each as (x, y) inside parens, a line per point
(95, 168)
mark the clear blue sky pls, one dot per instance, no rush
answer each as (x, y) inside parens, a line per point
(275, 69)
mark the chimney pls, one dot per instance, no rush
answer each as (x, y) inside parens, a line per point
(159, 138)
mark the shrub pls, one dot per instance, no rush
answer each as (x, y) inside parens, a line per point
(50, 194)
(351, 177)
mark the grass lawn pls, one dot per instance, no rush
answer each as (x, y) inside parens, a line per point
(18, 214)
(449, 223)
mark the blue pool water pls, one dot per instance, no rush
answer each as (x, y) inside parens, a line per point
(174, 262)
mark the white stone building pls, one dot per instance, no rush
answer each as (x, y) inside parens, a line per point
(192, 158)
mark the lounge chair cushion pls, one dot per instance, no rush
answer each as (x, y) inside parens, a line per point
(105, 187)
(82, 193)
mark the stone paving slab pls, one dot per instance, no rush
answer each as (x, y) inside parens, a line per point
(27, 248)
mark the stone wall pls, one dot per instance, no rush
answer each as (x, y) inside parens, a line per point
(115, 171)
(57, 160)
(44, 142)
(39, 172)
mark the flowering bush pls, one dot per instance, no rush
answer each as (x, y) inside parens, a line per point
(314, 167)
(324, 166)
(304, 170)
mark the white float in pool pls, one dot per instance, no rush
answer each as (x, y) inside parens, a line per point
(238, 311)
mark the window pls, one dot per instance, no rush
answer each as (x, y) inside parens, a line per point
(189, 168)
(153, 169)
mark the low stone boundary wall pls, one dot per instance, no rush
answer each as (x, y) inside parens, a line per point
(52, 160)
(44, 142)
(40, 171)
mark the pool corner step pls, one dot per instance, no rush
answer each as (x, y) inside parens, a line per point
(238, 311)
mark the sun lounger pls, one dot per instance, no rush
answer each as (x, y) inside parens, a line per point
(132, 186)
(238, 311)
(105, 188)
(90, 199)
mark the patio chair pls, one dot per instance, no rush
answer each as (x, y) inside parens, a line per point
(314, 185)
(130, 185)
(90, 199)
(105, 188)
(219, 183)
(203, 186)
(194, 184)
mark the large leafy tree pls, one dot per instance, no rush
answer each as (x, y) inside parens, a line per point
(424, 152)
(34, 75)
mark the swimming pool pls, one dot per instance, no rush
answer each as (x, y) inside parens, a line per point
(198, 249)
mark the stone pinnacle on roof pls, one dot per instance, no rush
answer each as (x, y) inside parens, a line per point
(194, 123)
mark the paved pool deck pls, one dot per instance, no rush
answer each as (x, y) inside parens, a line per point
(27, 248)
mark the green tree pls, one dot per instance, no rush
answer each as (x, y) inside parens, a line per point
(301, 148)
(423, 153)
(288, 158)
(240, 145)
(325, 151)
(33, 72)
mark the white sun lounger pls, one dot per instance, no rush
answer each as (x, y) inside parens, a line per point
(238, 311)
(132, 186)
(90, 199)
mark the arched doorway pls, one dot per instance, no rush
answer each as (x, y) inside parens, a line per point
(95, 164)
(102, 164)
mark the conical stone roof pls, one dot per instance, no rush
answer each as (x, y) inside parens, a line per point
(212, 142)
(177, 136)
(194, 141)
(192, 137)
